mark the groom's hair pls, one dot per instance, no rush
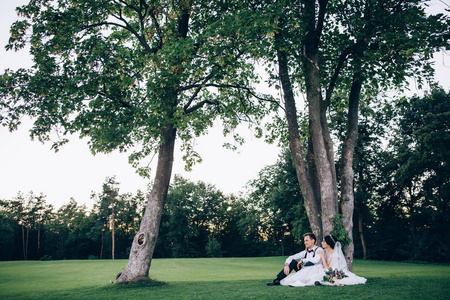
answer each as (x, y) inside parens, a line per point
(311, 236)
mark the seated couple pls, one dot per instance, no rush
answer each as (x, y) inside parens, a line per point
(312, 264)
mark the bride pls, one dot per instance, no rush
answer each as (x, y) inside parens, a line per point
(334, 258)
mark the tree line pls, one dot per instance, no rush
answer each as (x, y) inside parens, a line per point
(402, 208)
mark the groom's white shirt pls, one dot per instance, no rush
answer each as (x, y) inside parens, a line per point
(310, 257)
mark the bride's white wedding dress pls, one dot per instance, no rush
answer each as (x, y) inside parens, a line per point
(309, 275)
(337, 261)
(305, 276)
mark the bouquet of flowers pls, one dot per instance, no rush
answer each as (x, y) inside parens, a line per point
(332, 275)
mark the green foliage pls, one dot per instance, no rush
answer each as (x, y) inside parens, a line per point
(339, 231)
(193, 213)
(200, 221)
(8, 229)
(120, 72)
(213, 248)
(46, 258)
(40, 232)
(26, 215)
(412, 185)
(277, 193)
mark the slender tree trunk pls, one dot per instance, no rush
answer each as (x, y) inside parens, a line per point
(23, 243)
(112, 230)
(144, 242)
(101, 249)
(361, 191)
(361, 234)
(312, 204)
(346, 167)
(26, 244)
(39, 238)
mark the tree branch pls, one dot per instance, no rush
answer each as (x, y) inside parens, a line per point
(128, 27)
(337, 70)
(198, 89)
(200, 105)
(248, 90)
(321, 18)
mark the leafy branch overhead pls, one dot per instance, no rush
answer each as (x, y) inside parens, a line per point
(119, 71)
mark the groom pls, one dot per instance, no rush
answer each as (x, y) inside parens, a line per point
(306, 258)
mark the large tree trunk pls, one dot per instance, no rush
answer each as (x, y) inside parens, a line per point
(346, 167)
(315, 185)
(312, 203)
(145, 240)
(322, 144)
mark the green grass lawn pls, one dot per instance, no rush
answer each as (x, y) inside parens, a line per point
(213, 278)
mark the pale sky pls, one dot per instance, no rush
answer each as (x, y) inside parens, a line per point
(27, 165)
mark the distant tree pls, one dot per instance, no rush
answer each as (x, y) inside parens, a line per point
(414, 198)
(66, 242)
(30, 212)
(43, 213)
(192, 218)
(107, 201)
(129, 211)
(276, 193)
(16, 209)
(7, 233)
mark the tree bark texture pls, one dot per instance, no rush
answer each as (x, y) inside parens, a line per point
(318, 127)
(312, 204)
(145, 240)
(346, 167)
(315, 185)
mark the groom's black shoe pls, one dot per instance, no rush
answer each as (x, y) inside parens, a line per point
(274, 282)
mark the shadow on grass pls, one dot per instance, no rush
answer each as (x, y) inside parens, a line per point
(375, 288)
(226, 278)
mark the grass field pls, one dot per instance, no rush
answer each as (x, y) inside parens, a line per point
(213, 278)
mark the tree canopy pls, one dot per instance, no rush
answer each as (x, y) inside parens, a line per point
(132, 75)
(118, 71)
(339, 54)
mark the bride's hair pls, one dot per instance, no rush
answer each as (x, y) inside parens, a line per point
(331, 240)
